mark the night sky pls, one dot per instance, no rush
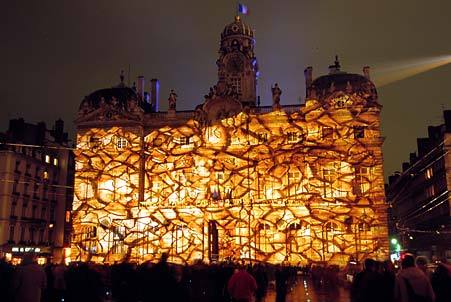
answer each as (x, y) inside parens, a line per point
(53, 53)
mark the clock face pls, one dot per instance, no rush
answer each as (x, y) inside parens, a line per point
(235, 64)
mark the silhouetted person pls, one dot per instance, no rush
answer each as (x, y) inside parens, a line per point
(388, 278)
(262, 283)
(282, 275)
(29, 281)
(241, 286)
(441, 282)
(412, 285)
(367, 284)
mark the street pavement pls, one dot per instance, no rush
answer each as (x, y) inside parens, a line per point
(304, 291)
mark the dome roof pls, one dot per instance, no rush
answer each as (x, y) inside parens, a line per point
(237, 27)
(350, 83)
(117, 96)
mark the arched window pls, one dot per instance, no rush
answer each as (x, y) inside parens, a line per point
(264, 235)
(330, 231)
(298, 237)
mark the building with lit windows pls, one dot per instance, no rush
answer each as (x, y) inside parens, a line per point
(420, 195)
(36, 179)
(232, 179)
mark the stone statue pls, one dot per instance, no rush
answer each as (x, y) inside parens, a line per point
(276, 92)
(172, 100)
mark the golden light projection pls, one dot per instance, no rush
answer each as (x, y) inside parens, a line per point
(300, 184)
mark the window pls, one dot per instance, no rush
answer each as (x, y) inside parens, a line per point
(25, 188)
(359, 132)
(121, 142)
(35, 191)
(55, 161)
(430, 191)
(13, 208)
(24, 210)
(293, 182)
(50, 235)
(41, 235)
(33, 211)
(327, 132)
(328, 178)
(17, 168)
(264, 237)
(236, 84)
(67, 216)
(183, 140)
(52, 213)
(292, 137)
(94, 142)
(45, 194)
(31, 231)
(262, 137)
(362, 180)
(47, 159)
(43, 212)
(46, 175)
(11, 232)
(429, 173)
(36, 173)
(16, 181)
(27, 169)
(22, 233)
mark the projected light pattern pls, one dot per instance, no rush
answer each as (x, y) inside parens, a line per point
(397, 71)
(301, 187)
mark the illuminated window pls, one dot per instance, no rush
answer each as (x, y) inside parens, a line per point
(46, 175)
(184, 140)
(331, 230)
(328, 178)
(298, 237)
(362, 182)
(121, 143)
(263, 238)
(67, 216)
(47, 159)
(430, 191)
(359, 132)
(327, 132)
(429, 173)
(293, 182)
(292, 137)
(55, 161)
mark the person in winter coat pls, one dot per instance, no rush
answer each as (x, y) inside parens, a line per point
(241, 286)
(412, 284)
(28, 281)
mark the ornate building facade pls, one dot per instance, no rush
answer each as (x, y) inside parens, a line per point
(232, 179)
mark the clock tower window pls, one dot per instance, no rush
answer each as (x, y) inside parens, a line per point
(236, 83)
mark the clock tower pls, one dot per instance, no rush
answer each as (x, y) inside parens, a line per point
(237, 65)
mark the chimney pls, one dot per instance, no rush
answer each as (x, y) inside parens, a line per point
(308, 74)
(405, 166)
(366, 72)
(141, 86)
(447, 118)
(154, 94)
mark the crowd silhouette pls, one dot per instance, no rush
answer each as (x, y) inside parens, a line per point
(414, 281)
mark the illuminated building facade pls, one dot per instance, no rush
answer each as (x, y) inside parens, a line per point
(37, 170)
(232, 179)
(420, 195)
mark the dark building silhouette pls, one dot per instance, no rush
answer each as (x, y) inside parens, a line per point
(420, 196)
(37, 174)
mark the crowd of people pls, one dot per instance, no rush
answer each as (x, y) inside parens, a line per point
(224, 282)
